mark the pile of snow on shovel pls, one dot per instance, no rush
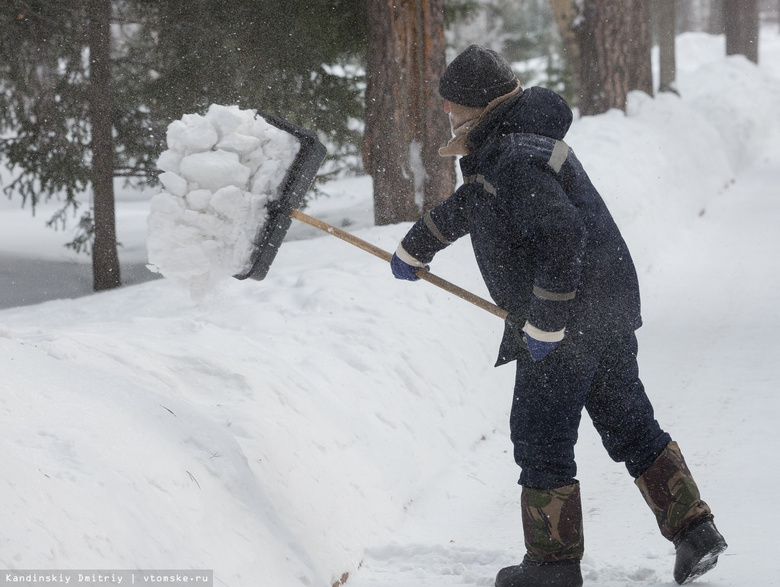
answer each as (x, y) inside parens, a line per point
(219, 172)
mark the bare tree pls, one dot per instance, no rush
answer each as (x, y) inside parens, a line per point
(405, 124)
(741, 20)
(716, 23)
(608, 45)
(640, 43)
(105, 260)
(665, 19)
(603, 35)
(565, 17)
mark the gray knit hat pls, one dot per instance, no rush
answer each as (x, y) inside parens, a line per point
(476, 77)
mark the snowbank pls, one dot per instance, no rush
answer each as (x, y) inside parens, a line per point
(658, 164)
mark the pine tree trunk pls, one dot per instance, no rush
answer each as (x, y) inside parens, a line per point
(604, 37)
(741, 19)
(565, 16)
(640, 68)
(666, 11)
(717, 19)
(105, 260)
(405, 123)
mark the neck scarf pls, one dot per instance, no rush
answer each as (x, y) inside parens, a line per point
(463, 119)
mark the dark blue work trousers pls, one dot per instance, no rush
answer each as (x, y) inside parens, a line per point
(600, 375)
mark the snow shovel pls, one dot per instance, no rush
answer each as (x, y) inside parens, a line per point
(293, 190)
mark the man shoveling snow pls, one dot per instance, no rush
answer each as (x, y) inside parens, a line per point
(551, 254)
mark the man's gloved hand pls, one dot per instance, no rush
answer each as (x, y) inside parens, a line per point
(538, 349)
(404, 265)
(402, 269)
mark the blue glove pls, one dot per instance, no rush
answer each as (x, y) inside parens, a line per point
(402, 269)
(538, 349)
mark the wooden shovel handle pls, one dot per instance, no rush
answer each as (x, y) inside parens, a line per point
(422, 273)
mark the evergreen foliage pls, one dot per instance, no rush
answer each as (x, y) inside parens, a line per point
(188, 54)
(43, 102)
(169, 57)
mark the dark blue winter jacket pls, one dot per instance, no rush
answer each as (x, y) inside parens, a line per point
(548, 248)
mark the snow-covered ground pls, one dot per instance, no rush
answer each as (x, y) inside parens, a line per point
(331, 419)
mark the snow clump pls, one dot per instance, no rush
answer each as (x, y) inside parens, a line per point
(219, 172)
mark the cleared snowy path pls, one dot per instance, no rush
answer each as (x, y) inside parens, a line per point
(711, 318)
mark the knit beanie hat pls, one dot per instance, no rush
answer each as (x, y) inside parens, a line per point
(476, 77)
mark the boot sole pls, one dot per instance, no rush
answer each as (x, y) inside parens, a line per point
(705, 564)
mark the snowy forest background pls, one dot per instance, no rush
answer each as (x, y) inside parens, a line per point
(331, 425)
(89, 86)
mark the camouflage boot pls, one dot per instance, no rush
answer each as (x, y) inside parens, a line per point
(552, 524)
(672, 494)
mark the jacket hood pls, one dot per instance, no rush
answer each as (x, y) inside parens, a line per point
(535, 111)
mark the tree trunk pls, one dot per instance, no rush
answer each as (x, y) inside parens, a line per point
(666, 11)
(105, 260)
(565, 16)
(405, 123)
(741, 20)
(717, 20)
(604, 37)
(640, 68)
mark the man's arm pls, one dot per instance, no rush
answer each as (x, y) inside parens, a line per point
(432, 232)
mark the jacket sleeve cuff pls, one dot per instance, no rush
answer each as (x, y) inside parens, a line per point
(407, 258)
(542, 335)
